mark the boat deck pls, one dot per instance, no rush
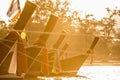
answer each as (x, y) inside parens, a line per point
(11, 77)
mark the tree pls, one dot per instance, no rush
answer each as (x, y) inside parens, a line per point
(108, 23)
(47, 7)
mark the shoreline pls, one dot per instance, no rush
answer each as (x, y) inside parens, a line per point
(102, 63)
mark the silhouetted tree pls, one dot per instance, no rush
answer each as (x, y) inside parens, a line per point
(47, 7)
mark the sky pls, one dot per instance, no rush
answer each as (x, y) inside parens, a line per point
(4, 6)
(95, 7)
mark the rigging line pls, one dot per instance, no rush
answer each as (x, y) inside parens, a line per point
(24, 55)
(40, 62)
(5, 56)
(51, 49)
(8, 40)
(7, 53)
(60, 33)
(50, 66)
(34, 61)
(55, 33)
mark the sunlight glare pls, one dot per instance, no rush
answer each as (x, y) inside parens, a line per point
(4, 6)
(95, 7)
(101, 72)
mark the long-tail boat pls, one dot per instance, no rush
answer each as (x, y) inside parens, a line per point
(52, 63)
(36, 60)
(12, 38)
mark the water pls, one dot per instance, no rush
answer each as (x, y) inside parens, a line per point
(100, 72)
(94, 73)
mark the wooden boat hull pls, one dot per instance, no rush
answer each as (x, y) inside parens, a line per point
(68, 64)
(73, 63)
(10, 77)
(7, 43)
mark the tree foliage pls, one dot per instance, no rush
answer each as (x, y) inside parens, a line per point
(47, 7)
(88, 24)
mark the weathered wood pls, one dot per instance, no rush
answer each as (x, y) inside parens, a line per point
(35, 66)
(50, 25)
(7, 43)
(10, 77)
(25, 15)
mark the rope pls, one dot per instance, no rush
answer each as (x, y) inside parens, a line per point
(5, 56)
(24, 55)
(33, 62)
(34, 59)
(65, 51)
(54, 33)
(50, 66)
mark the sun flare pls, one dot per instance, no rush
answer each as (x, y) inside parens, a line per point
(95, 7)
